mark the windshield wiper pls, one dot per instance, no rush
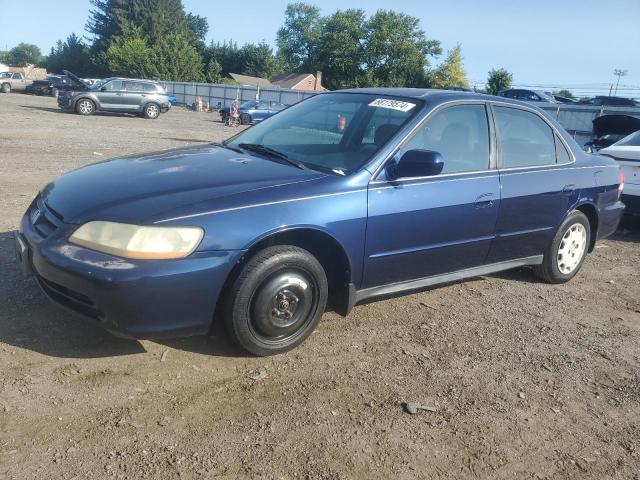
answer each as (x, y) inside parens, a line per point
(270, 152)
(227, 146)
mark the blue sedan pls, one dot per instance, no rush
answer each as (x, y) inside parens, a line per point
(253, 111)
(340, 198)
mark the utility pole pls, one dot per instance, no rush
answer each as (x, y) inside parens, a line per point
(618, 73)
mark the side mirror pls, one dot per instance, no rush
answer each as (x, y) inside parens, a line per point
(416, 163)
(103, 89)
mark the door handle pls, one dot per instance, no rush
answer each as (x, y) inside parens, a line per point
(568, 188)
(484, 200)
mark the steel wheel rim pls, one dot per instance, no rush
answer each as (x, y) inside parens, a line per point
(283, 305)
(152, 111)
(86, 107)
(572, 248)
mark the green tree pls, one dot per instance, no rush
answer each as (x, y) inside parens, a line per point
(397, 50)
(258, 60)
(298, 38)
(499, 79)
(178, 60)
(341, 53)
(564, 93)
(450, 73)
(72, 54)
(24, 54)
(214, 71)
(131, 56)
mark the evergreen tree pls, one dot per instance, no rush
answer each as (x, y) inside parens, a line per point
(450, 73)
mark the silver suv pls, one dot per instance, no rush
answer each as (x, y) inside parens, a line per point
(127, 95)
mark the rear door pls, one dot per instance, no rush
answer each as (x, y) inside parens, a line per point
(420, 227)
(536, 191)
(134, 95)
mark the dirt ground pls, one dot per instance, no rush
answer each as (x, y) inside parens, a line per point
(519, 379)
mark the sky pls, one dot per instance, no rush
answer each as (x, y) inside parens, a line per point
(573, 43)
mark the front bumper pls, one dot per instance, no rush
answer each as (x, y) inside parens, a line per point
(132, 298)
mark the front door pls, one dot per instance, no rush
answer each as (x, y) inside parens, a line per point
(420, 227)
(111, 95)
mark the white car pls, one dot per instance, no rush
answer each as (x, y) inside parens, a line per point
(627, 153)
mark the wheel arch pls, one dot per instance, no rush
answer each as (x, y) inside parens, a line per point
(322, 245)
(591, 212)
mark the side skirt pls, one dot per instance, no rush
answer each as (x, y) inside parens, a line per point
(392, 288)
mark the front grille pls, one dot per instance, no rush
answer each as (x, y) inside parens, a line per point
(70, 299)
(44, 219)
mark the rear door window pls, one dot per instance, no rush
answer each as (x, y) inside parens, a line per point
(524, 138)
(562, 154)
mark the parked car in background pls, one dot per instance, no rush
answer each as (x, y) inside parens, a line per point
(13, 81)
(627, 153)
(51, 86)
(609, 129)
(611, 101)
(340, 198)
(527, 95)
(125, 95)
(253, 111)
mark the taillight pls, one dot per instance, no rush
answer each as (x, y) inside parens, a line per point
(621, 184)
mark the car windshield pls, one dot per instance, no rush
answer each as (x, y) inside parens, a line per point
(331, 132)
(632, 140)
(249, 104)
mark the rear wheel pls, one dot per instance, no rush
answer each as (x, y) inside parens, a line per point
(85, 107)
(6, 88)
(565, 256)
(151, 110)
(245, 119)
(276, 300)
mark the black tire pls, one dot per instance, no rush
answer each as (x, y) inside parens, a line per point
(54, 92)
(560, 267)
(6, 88)
(85, 106)
(276, 300)
(245, 119)
(151, 111)
(224, 117)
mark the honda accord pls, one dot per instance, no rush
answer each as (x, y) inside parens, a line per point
(342, 197)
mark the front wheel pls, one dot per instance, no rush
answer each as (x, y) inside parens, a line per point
(276, 300)
(85, 107)
(6, 88)
(565, 256)
(245, 119)
(151, 110)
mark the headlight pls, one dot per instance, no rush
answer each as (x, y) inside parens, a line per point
(141, 242)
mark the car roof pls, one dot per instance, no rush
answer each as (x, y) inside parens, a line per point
(155, 82)
(433, 95)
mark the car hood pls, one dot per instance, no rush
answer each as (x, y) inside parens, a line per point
(615, 125)
(134, 189)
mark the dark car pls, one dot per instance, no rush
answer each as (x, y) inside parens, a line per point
(253, 111)
(52, 85)
(609, 129)
(340, 198)
(611, 101)
(526, 95)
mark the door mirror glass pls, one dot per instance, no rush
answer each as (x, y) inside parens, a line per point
(416, 163)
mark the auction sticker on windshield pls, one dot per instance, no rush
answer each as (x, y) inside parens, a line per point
(392, 104)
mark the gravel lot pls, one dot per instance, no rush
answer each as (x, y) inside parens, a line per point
(519, 379)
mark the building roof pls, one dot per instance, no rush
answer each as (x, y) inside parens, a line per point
(248, 80)
(289, 80)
